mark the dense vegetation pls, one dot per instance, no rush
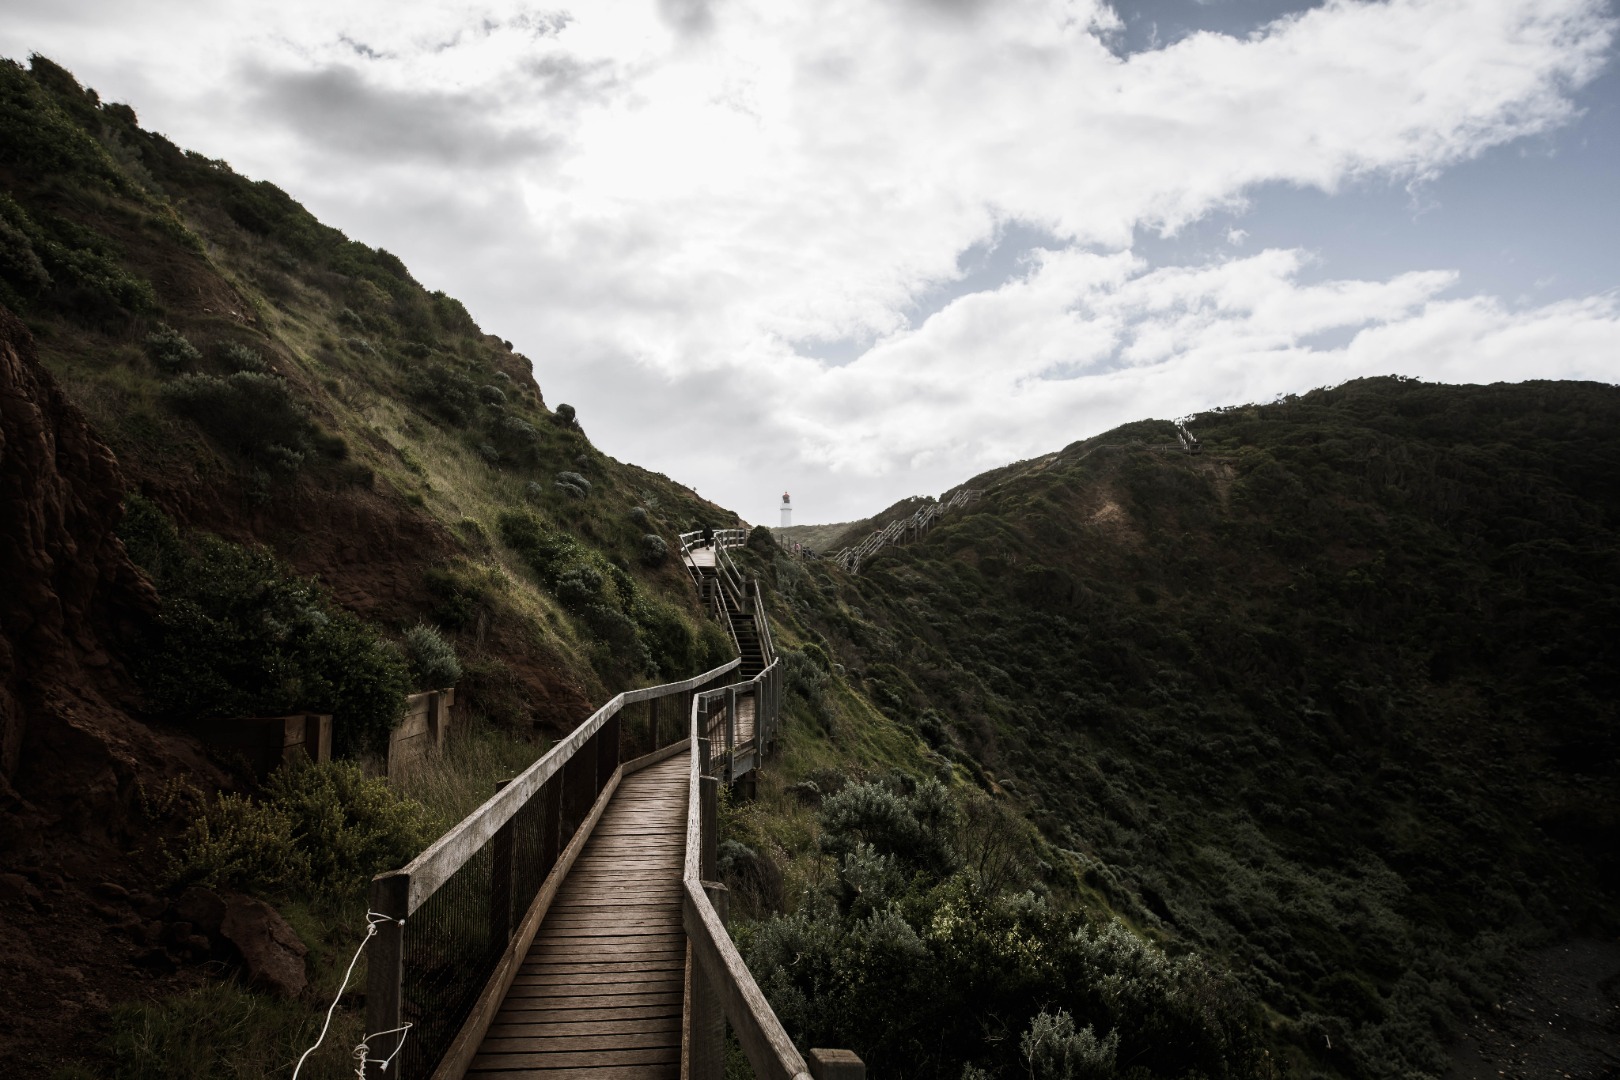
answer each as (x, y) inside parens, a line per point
(238, 635)
(1331, 704)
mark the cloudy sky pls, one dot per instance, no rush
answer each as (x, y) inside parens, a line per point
(861, 250)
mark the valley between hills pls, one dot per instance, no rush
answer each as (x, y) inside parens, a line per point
(1294, 757)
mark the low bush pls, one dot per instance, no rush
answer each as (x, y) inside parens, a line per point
(350, 825)
(919, 981)
(22, 274)
(169, 350)
(315, 830)
(238, 635)
(917, 829)
(431, 659)
(244, 358)
(654, 550)
(1054, 1050)
(251, 412)
(459, 600)
(572, 483)
(234, 842)
(445, 394)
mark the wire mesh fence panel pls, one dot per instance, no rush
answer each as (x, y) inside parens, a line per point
(450, 951)
(578, 788)
(534, 846)
(636, 731)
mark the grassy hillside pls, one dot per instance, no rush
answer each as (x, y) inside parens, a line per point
(343, 490)
(264, 378)
(815, 537)
(1331, 704)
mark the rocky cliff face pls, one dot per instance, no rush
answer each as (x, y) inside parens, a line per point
(69, 751)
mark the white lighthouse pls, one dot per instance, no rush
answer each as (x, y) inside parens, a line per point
(787, 510)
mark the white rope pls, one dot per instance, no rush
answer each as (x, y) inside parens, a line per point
(362, 1052)
(374, 919)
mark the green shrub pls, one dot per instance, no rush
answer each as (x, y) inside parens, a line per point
(38, 137)
(515, 438)
(448, 395)
(238, 635)
(92, 283)
(654, 550)
(351, 826)
(234, 842)
(22, 274)
(546, 550)
(169, 350)
(432, 659)
(315, 829)
(917, 829)
(572, 483)
(761, 540)
(564, 415)
(1054, 1050)
(250, 412)
(244, 358)
(578, 586)
(459, 600)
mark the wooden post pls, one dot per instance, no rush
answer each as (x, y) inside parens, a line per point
(709, 804)
(836, 1065)
(318, 737)
(652, 726)
(500, 881)
(385, 966)
(703, 756)
(706, 1041)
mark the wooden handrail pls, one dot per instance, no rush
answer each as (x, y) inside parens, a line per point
(398, 895)
(449, 852)
(719, 967)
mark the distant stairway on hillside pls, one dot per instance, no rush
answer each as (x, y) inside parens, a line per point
(903, 531)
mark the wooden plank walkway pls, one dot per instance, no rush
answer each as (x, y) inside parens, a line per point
(601, 990)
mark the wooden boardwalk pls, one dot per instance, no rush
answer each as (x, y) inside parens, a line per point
(601, 990)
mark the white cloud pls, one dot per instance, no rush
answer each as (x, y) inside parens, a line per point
(655, 198)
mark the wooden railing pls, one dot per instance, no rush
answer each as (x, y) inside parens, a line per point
(732, 754)
(902, 531)
(462, 914)
(720, 987)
